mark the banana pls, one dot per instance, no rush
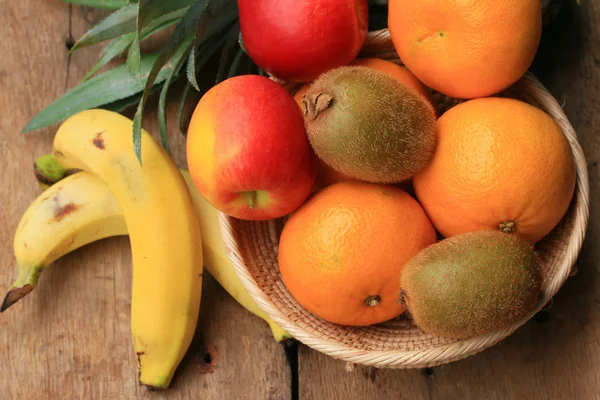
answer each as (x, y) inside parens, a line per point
(83, 188)
(164, 232)
(70, 214)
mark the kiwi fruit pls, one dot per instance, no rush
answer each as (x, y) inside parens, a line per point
(368, 125)
(471, 284)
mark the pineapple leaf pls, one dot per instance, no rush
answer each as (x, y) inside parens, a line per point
(117, 46)
(120, 23)
(153, 75)
(109, 4)
(107, 87)
(221, 23)
(232, 40)
(235, 64)
(147, 12)
(206, 51)
(191, 68)
(182, 36)
(133, 60)
(162, 113)
(116, 24)
(120, 105)
(182, 103)
(113, 49)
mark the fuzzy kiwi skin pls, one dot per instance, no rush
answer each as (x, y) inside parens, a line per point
(368, 125)
(471, 284)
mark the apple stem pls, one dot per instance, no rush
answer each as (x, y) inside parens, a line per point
(251, 199)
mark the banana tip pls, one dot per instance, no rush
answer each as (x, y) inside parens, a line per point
(14, 295)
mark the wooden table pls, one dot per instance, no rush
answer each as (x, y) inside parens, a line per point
(70, 339)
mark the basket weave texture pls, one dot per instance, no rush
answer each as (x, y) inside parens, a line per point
(399, 343)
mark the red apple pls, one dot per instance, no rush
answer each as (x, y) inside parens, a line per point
(299, 40)
(247, 149)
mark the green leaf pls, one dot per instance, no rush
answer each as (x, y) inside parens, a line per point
(133, 60)
(148, 11)
(175, 56)
(162, 114)
(120, 105)
(182, 102)
(206, 51)
(183, 33)
(232, 41)
(108, 87)
(116, 24)
(113, 49)
(241, 42)
(119, 23)
(109, 4)
(117, 46)
(235, 63)
(191, 68)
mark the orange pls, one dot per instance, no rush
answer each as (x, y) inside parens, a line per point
(341, 253)
(499, 164)
(466, 49)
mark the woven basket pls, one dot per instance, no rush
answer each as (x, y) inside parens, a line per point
(399, 343)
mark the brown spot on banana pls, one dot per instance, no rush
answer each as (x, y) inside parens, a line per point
(63, 211)
(98, 141)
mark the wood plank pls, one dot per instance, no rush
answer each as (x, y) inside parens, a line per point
(556, 355)
(70, 338)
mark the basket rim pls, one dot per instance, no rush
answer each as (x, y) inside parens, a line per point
(445, 353)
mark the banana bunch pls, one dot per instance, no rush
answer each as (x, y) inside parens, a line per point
(104, 218)
(96, 188)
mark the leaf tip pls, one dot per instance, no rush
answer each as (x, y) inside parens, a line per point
(30, 126)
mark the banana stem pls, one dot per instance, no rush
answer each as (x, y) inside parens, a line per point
(25, 283)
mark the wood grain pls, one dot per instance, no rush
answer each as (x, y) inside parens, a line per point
(70, 338)
(555, 356)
